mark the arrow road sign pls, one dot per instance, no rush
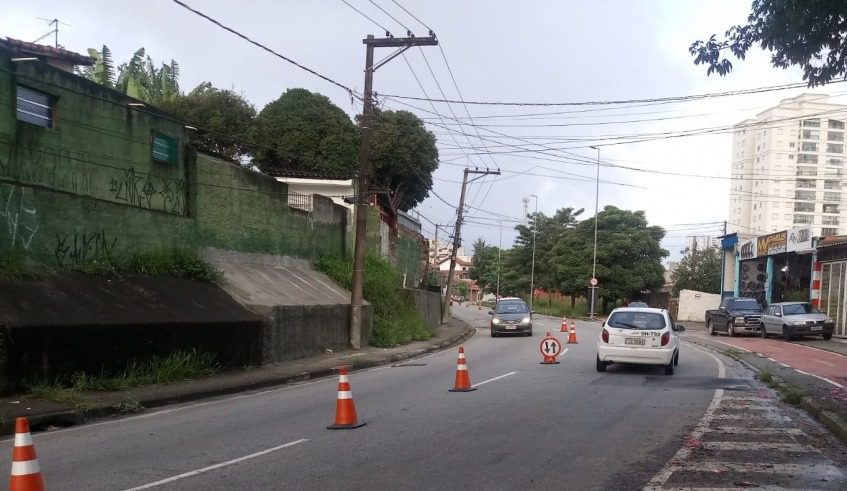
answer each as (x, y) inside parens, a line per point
(550, 347)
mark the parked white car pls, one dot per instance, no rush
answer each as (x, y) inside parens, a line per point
(638, 335)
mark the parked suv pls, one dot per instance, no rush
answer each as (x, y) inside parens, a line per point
(511, 315)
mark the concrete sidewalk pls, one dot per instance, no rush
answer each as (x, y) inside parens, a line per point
(822, 399)
(86, 406)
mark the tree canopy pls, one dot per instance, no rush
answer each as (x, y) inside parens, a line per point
(403, 158)
(811, 34)
(224, 119)
(303, 130)
(485, 265)
(139, 77)
(700, 270)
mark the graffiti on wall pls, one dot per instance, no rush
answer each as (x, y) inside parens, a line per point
(46, 167)
(19, 215)
(81, 248)
(149, 191)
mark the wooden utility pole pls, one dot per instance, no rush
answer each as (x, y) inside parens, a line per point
(457, 239)
(358, 282)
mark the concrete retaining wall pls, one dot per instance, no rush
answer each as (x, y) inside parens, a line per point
(693, 305)
(428, 305)
(297, 331)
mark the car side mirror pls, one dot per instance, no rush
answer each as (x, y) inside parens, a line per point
(721, 308)
(680, 328)
(490, 312)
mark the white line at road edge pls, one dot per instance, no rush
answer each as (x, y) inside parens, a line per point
(493, 379)
(684, 452)
(217, 466)
(833, 382)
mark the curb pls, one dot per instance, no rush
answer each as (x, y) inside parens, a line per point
(72, 417)
(832, 421)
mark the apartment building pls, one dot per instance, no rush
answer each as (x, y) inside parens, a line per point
(701, 242)
(788, 168)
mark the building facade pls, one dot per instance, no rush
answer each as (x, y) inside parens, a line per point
(788, 168)
(701, 242)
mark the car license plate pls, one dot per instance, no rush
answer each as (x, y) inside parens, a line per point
(639, 341)
(817, 328)
(511, 327)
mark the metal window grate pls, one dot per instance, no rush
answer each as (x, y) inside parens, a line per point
(164, 149)
(34, 107)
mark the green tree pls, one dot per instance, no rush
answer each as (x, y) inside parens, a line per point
(629, 255)
(699, 270)
(811, 34)
(139, 78)
(305, 131)
(485, 265)
(403, 157)
(224, 119)
(103, 69)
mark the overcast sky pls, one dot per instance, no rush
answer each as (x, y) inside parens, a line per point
(499, 51)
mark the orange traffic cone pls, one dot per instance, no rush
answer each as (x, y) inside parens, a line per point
(463, 380)
(26, 476)
(345, 410)
(572, 335)
(564, 325)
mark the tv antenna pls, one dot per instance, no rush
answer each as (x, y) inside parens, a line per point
(54, 23)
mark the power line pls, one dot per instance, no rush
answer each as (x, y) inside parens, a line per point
(408, 31)
(412, 15)
(262, 46)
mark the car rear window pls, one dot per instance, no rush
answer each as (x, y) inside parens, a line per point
(637, 320)
(511, 307)
(744, 303)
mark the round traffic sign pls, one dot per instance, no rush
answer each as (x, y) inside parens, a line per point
(593, 281)
(550, 347)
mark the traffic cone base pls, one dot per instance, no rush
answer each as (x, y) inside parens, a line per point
(345, 410)
(463, 380)
(26, 475)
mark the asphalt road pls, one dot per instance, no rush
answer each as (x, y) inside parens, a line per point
(527, 426)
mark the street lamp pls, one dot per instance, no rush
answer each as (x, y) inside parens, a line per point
(532, 270)
(596, 211)
(499, 250)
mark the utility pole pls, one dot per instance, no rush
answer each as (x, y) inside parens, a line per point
(499, 251)
(532, 271)
(457, 237)
(358, 282)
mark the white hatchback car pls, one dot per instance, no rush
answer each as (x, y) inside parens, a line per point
(639, 335)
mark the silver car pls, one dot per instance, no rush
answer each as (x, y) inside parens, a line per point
(789, 319)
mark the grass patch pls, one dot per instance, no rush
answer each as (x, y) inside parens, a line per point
(765, 376)
(178, 366)
(790, 394)
(395, 320)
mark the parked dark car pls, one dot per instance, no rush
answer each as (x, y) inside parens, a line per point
(510, 315)
(789, 319)
(736, 315)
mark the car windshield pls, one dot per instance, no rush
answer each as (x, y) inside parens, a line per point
(799, 309)
(511, 307)
(636, 320)
(638, 304)
(744, 304)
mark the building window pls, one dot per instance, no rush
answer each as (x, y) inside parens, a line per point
(806, 183)
(835, 162)
(835, 124)
(791, 157)
(804, 195)
(810, 134)
(807, 158)
(808, 147)
(811, 123)
(34, 107)
(836, 197)
(834, 148)
(828, 231)
(807, 171)
(835, 136)
(804, 207)
(832, 184)
(164, 148)
(802, 218)
(829, 220)
(827, 208)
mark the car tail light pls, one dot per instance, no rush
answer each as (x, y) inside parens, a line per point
(665, 338)
(605, 336)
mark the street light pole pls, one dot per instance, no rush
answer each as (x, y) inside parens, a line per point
(532, 270)
(596, 212)
(499, 251)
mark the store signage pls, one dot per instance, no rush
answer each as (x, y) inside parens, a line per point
(747, 249)
(799, 239)
(772, 244)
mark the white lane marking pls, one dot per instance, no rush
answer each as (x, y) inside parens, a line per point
(721, 366)
(821, 350)
(771, 359)
(829, 381)
(731, 345)
(564, 351)
(217, 466)
(743, 430)
(493, 379)
(823, 362)
(813, 470)
(772, 417)
(742, 446)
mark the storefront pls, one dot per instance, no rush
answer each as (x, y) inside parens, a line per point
(830, 283)
(776, 267)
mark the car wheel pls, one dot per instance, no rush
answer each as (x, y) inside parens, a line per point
(669, 368)
(493, 334)
(529, 333)
(729, 331)
(676, 358)
(601, 365)
(827, 336)
(711, 328)
(786, 333)
(763, 331)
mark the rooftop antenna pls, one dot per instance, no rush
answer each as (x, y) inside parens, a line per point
(54, 23)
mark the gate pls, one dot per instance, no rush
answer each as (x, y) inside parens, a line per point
(833, 275)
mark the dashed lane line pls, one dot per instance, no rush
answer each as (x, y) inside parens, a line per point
(493, 379)
(743, 446)
(806, 470)
(743, 430)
